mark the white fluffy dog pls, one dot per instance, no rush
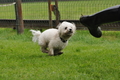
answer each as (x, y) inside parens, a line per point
(52, 41)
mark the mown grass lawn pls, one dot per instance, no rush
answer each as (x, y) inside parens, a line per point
(85, 58)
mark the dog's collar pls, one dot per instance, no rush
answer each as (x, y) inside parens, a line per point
(64, 41)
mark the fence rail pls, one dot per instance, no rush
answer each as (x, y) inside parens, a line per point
(40, 24)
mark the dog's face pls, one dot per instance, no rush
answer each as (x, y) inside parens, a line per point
(66, 29)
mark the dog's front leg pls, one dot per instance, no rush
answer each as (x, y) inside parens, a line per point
(51, 52)
(44, 50)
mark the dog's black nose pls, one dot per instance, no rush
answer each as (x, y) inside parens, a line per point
(70, 29)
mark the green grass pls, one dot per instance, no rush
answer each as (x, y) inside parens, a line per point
(85, 58)
(68, 9)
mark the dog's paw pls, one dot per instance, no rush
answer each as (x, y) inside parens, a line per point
(58, 54)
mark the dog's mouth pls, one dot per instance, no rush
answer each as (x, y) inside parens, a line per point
(70, 32)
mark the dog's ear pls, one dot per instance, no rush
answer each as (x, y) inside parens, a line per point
(73, 23)
(58, 25)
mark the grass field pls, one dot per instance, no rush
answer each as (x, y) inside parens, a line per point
(68, 9)
(85, 58)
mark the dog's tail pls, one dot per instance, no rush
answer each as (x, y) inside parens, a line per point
(36, 35)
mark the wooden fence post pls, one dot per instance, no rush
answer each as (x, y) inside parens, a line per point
(57, 14)
(19, 19)
(50, 14)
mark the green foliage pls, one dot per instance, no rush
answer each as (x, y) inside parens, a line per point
(85, 58)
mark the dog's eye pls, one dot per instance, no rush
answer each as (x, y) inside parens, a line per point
(65, 28)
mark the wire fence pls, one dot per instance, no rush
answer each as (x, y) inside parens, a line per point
(69, 9)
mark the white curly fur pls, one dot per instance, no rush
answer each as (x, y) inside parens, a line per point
(50, 40)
